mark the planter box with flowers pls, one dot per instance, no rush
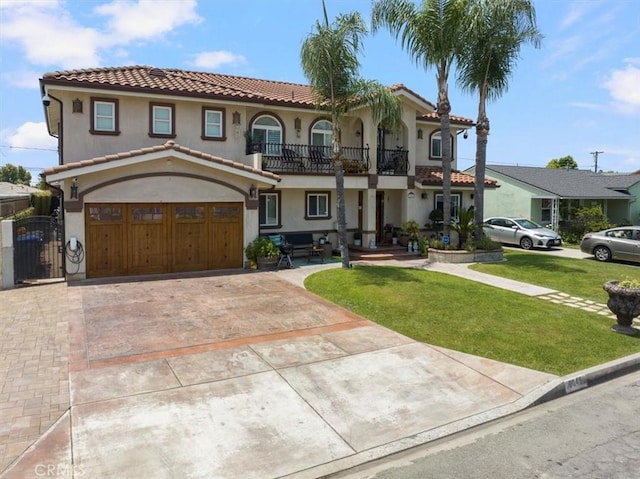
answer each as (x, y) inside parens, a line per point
(624, 302)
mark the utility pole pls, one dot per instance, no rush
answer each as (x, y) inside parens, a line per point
(595, 159)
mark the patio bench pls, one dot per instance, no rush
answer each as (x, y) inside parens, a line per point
(299, 241)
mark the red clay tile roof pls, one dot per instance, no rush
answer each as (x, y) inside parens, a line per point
(456, 120)
(169, 145)
(432, 176)
(171, 81)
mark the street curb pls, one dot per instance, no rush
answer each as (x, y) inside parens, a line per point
(589, 377)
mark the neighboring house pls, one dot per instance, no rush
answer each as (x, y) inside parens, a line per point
(14, 198)
(168, 170)
(551, 196)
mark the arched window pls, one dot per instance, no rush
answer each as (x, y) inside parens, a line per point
(267, 131)
(321, 135)
(435, 151)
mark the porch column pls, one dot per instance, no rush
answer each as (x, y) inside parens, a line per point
(369, 217)
(6, 255)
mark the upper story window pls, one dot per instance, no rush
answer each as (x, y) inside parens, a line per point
(435, 152)
(267, 131)
(321, 133)
(104, 116)
(162, 120)
(213, 126)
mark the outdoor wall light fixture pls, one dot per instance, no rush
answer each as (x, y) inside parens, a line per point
(236, 118)
(74, 189)
(412, 194)
(77, 105)
(253, 192)
(297, 124)
(424, 196)
(419, 133)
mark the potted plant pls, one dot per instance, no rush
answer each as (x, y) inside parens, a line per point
(412, 229)
(624, 302)
(262, 253)
(394, 237)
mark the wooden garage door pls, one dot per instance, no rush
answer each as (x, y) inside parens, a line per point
(132, 239)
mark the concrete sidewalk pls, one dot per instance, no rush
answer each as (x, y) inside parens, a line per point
(249, 376)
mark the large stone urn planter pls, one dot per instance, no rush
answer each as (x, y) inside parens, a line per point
(463, 256)
(625, 304)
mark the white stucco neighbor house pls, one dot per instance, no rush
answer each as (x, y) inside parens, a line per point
(165, 170)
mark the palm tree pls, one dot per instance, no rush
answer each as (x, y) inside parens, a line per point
(496, 31)
(330, 62)
(431, 35)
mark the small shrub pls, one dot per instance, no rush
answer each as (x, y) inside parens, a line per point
(261, 247)
(630, 283)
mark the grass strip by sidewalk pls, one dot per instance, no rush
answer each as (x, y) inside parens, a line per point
(475, 318)
(578, 277)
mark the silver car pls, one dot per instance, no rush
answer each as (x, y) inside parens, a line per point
(615, 243)
(520, 231)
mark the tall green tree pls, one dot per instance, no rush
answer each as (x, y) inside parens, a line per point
(496, 31)
(432, 34)
(329, 59)
(565, 162)
(17, 175)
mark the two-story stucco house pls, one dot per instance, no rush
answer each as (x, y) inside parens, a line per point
(165, 170)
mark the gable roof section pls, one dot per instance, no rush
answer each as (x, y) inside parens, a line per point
(171, 81)
(569, 183)
(69, 169)
(432, 176)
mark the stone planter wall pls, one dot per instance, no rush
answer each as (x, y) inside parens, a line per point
(458, 256)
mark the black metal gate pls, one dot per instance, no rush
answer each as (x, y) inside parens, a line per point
(38, 248)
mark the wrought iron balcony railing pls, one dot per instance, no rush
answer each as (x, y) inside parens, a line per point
(309, 159)
(393, 162)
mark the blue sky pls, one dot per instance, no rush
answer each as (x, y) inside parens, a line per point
(578, 93)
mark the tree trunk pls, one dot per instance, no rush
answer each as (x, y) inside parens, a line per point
(341, 206)
(445, 134)
(482, 135)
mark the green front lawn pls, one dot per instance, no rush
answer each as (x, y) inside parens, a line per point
(472, 317)
(578, 277)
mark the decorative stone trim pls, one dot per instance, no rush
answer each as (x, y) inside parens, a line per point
(459, 256)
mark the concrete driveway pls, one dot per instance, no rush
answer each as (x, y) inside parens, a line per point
(249, 376)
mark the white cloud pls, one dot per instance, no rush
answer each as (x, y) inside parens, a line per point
(48, 34)
(624, 87)
(585, 105)
(146, 19)
(216, 59)
(35, 25)
(21, 78)
(31, 135)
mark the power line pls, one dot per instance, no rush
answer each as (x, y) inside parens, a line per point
(27, 148)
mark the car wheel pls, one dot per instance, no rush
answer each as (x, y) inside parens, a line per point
(526, 243)
(602, 253)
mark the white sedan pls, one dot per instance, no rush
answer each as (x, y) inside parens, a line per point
(520, 231)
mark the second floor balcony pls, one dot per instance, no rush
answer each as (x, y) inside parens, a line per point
(299, 159)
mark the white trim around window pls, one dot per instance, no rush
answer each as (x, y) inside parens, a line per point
(162, 120)
(435, 146)
(104, 116)
(213, 123)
